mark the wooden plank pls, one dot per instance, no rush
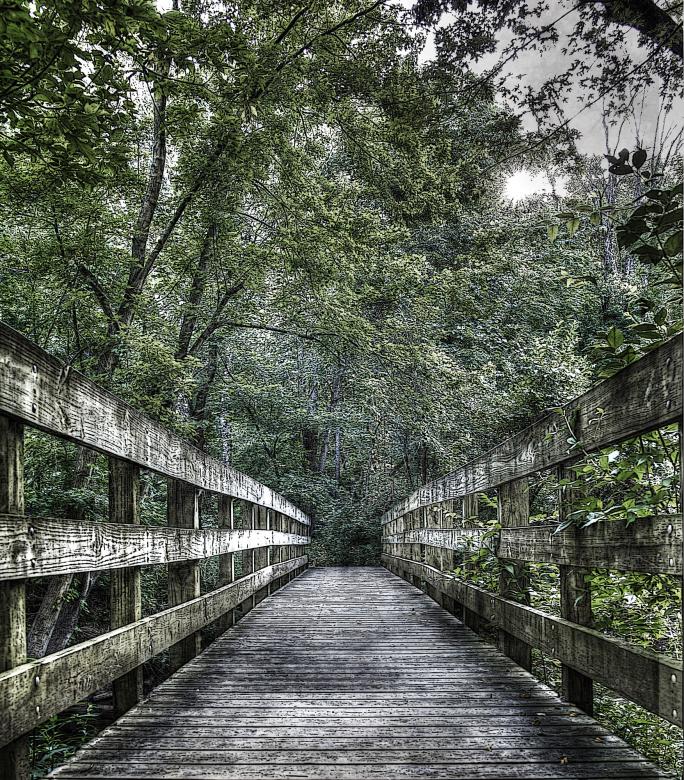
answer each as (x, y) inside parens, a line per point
(226, 573)
(651, 544)
(645, 395)
(575, 603)
(247, 556)
(513, 508)
(261, 554)
(14, 757)
(43, 393)
(470, 509)
(184, 577)
(72, 674)
(649, 679)
(445, 538)
(125, 603)
(40, 547)
(351, 673)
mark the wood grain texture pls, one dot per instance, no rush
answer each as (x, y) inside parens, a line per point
(125, 598)
(513, 507)
(43, 393)
(575, 599)
(183, 582)
(39, 546)
(33, 692)
(643, 396)
(651, 544)
(226, 563)
(445, 538)
(352, 674)
(651, 680)
(14, 757)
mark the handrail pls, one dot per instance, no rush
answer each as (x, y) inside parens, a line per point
(42, 392)
(645, 394)
(269, 534)
(421, 543)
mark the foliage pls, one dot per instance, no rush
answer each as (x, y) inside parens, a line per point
(283, 235)
(59, 738)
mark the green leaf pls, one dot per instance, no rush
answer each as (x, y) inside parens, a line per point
(573, 226)
(615, 338)
(673, 245)
(552, 232)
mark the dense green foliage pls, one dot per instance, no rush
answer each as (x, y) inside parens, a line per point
(278, 231)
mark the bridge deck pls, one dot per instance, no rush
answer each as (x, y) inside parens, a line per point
(351, 674)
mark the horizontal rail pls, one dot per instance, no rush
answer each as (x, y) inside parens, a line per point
(651, 544)
(645, 395)
(445, 538)
(39, 546)
(42, 392)
(33, 692)
(649, 679)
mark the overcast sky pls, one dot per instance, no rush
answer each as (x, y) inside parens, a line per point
(535, 67)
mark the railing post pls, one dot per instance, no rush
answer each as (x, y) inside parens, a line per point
(470, 508)
(416, 547)
(447, 556)
(271, 551)
(247, 521)
(14, 757)
(226, 562)
(261, 553)
(575, 605)
(514, 511)
(184, 577)
(124, 584)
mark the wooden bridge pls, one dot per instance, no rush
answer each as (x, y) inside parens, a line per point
(328, 673)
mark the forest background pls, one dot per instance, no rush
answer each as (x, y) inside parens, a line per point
(282, 230)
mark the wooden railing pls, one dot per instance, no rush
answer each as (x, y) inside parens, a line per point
(267, 530)
(420, 540)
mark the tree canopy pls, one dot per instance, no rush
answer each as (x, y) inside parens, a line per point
(282, 230)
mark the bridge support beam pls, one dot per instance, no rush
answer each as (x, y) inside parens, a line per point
(226, 573)
(14, 757)
(575, 605)
(470, 509)
(184, 578)
(261, 554)
(247, 556)
(124, 588)
(514, 581)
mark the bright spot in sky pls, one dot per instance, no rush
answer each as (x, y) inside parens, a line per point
(523, 183)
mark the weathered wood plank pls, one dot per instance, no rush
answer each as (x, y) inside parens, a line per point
(575, 603)
(43, 393)
(40, 547)
(184, 577)
(14, 757)
(351, 673)
(470, 510)
(651, 544)
(646, 394)
(125, 602)
(32, 692)
(226, 575)
(513, 509)
(446, 538)
(651, 680)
